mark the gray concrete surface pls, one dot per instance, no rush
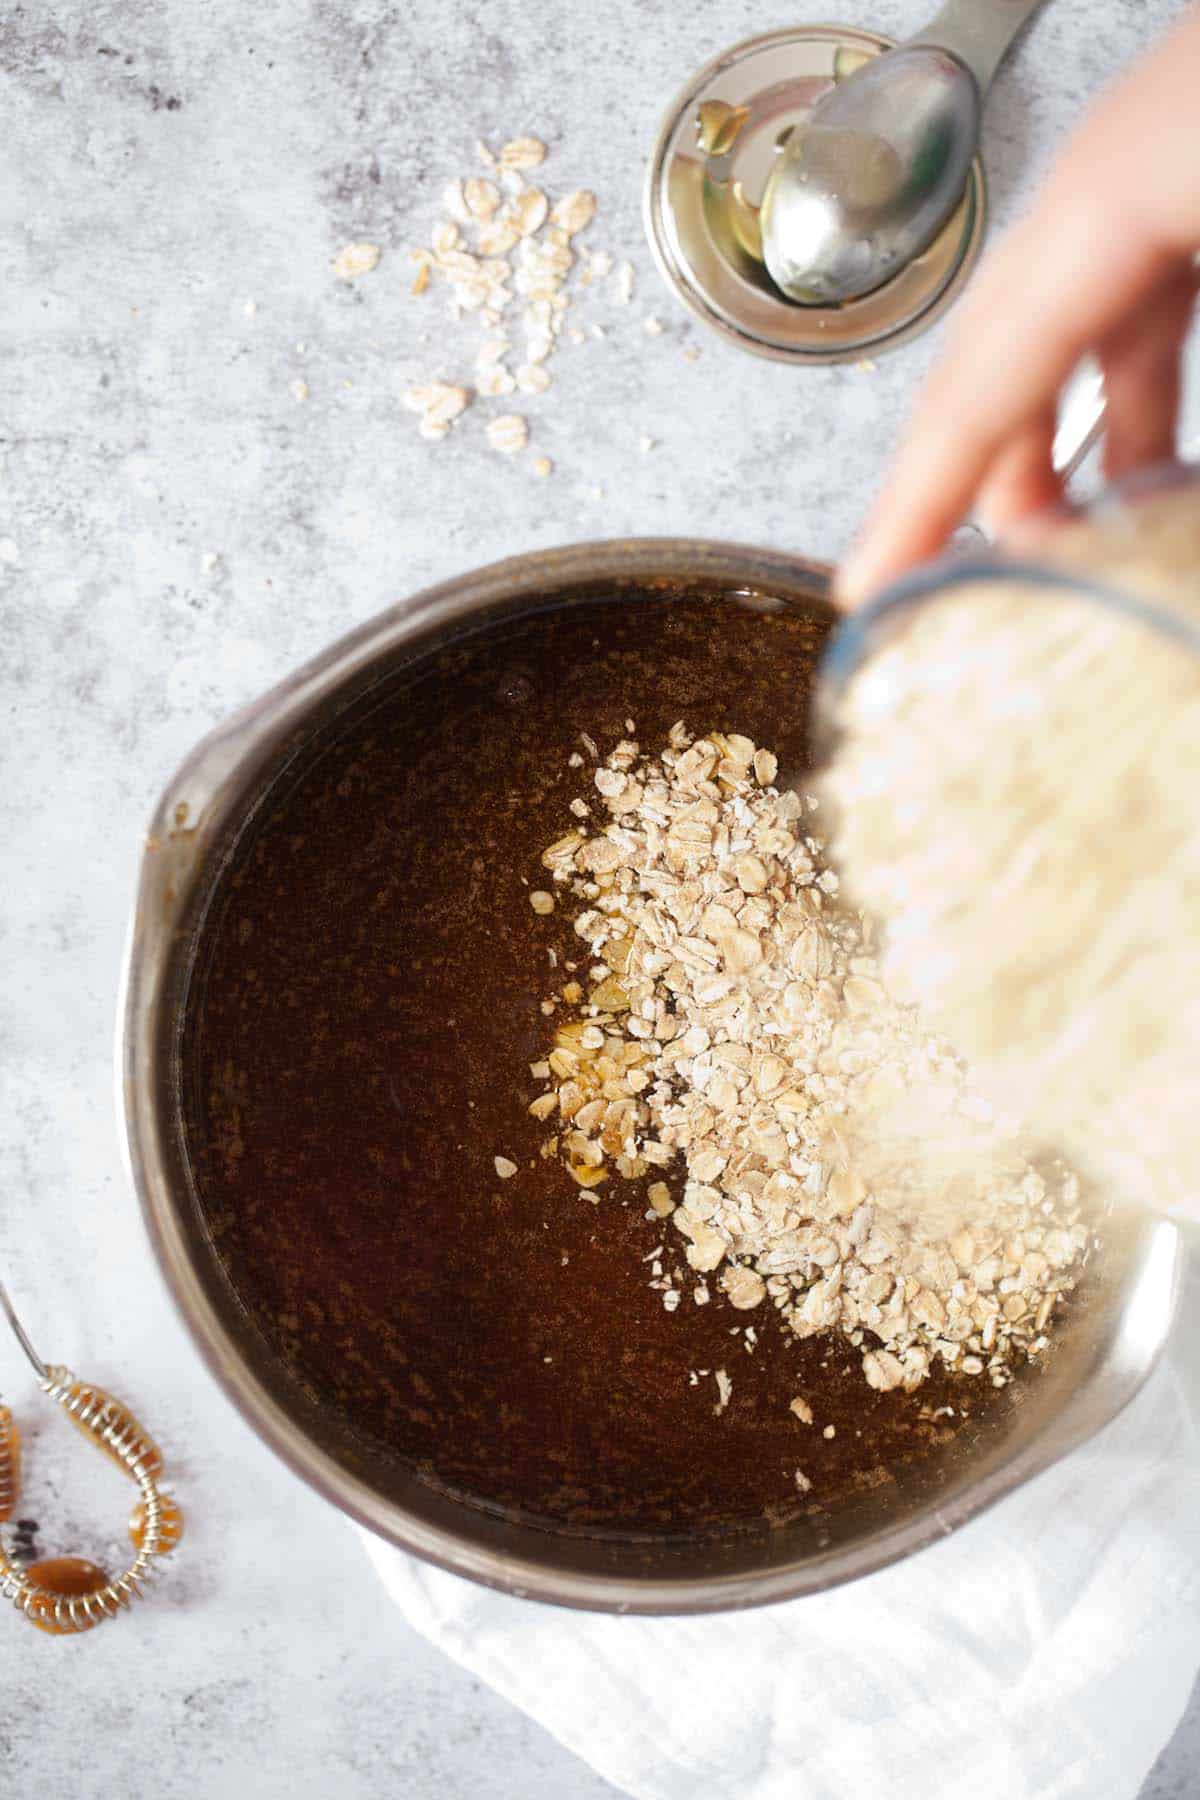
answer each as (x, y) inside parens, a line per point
(177, 530)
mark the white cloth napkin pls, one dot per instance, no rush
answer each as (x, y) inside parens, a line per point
(1046, 1650)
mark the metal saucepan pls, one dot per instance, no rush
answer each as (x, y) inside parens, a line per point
(1104, 1349)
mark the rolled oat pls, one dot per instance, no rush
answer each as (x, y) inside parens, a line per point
(736, 1037)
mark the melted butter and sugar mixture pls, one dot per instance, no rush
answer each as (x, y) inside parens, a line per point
(364, 1010)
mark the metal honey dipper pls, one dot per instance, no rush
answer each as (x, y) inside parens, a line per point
(64, 1595)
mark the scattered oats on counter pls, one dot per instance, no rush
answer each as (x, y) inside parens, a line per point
(439, 406)
(830, 1157)
(502, 241)
(574, 211)
(518, 153)
(504, 247)
(509, 433)
(355, 260)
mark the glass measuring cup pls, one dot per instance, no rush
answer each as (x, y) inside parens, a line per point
(1103, 550)
(1016, 805)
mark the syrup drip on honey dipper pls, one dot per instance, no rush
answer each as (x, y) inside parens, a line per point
(64, 1595)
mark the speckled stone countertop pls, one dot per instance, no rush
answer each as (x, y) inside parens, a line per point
(177, 530)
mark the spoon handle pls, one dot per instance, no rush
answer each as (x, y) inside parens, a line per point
(977, 32)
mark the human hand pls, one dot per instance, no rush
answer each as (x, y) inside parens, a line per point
(1105, 262)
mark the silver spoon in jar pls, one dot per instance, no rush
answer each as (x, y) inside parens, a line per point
(867, 182)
